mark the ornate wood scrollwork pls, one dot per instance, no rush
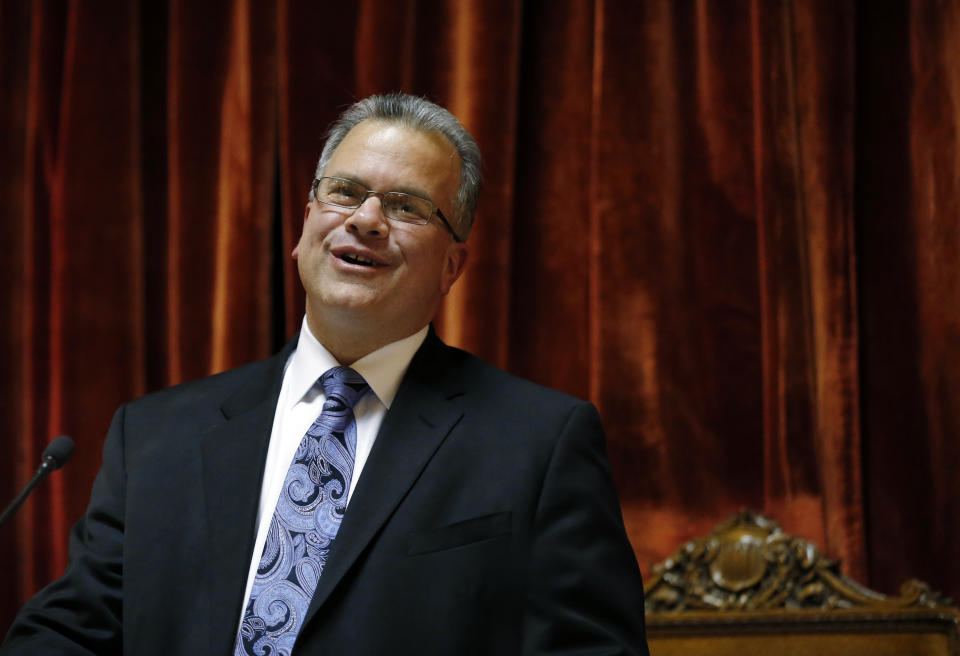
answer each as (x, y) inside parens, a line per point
(749, 563)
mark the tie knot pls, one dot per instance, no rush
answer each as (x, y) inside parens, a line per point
(343, 387)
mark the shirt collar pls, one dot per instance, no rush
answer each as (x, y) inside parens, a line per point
(383, 369)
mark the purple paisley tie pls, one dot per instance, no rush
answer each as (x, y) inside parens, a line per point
(305, 522)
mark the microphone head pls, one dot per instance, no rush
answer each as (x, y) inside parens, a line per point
(58, 451)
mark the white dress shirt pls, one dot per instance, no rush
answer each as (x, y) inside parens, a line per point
(300, 403)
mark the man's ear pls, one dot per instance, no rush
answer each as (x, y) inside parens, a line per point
(295, 253)
(453, 266)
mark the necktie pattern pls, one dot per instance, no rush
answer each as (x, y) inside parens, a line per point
(305, 522)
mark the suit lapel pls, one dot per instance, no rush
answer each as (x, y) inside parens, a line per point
(233, 454)
(418, 421)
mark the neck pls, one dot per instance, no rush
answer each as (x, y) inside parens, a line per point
(351, 342)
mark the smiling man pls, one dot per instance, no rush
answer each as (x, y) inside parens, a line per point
(371, 280)
(368, 490)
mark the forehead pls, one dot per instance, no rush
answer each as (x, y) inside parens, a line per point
(394, 157)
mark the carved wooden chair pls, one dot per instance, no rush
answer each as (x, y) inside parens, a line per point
(749, 588)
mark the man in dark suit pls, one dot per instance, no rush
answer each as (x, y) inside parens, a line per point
(434, 504)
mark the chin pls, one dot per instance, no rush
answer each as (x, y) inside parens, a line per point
(352, 303)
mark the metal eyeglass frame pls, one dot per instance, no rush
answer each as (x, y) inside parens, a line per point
(381, 194)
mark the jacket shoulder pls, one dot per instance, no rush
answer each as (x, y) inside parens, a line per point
(206, 400)
(489, 384)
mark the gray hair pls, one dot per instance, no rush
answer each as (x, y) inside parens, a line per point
(425, 116)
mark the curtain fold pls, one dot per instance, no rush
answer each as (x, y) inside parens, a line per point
(733, 226)
(909, 242)
(804, 197)
(76, 346)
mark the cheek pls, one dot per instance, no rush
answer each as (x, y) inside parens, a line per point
(316, 227)
(435, 269)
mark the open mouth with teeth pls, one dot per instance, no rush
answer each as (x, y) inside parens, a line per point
(351, 258)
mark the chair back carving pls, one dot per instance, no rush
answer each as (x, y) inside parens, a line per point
(751, 588)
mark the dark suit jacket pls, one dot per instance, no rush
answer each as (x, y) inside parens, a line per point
(485, 522)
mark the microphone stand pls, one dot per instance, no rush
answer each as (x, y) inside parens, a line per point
(49, 463)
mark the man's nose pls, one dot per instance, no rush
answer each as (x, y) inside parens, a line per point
(368, 220)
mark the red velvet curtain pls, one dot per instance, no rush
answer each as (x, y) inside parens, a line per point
(732, 225)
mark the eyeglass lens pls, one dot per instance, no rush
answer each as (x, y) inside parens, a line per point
(396, 205)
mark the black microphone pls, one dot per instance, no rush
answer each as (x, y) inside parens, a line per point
(54, 456)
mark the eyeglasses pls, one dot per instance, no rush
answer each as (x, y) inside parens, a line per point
(395, 205)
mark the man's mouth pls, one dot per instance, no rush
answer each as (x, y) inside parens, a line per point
(352, 258)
